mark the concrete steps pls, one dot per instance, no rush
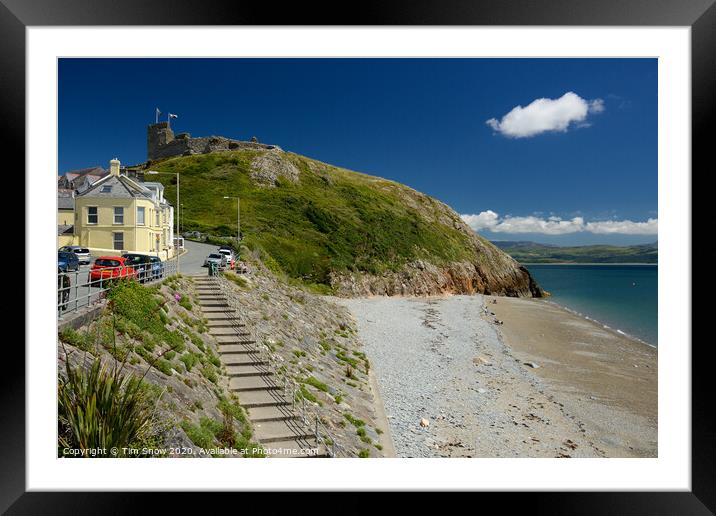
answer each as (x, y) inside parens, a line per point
(245, 360)
(237, 348)
(233, 339)
(219, 316)
(224, 331)
(249, 369)
(273, 413)
(252, 383)
(276, 425)
(238, 358)
(216, 310)
(225, 323)
(277, 431)
(253, 399)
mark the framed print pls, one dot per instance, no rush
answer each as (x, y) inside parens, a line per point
(454, 241)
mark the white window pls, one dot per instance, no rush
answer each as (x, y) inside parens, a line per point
(140, 215)
(118, 238)
(157, 213)
(92, 215)
(118, 215)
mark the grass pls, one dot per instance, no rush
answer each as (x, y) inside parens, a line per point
(364, 453)
(331, 220)
(237, 280)
(74, 338)
(189, 360)
(308, 395)
(354, 421)
(312, 381)
(185, 303)
(136, 304)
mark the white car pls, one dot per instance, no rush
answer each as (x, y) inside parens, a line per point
(229, 254)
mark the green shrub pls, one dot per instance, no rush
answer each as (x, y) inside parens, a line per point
(204, 434)
(164, 366)
(189, 360)
(74, 338)
(209, 372)
(364, 453)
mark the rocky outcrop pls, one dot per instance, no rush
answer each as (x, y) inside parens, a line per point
(425, 279)
(268, 167)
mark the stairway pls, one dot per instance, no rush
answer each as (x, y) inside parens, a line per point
(276, 426)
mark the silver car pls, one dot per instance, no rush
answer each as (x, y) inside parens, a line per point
(217, 258)
(83, 254)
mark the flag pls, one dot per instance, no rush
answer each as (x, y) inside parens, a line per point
(156, 115)
(172, 115)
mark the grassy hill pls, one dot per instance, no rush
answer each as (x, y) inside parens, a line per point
(316, 222)
(531, 252)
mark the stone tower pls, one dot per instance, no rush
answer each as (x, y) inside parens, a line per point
(158, 135)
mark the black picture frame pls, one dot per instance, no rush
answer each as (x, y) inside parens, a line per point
(700, 15)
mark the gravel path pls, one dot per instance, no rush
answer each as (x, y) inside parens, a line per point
(438, 359)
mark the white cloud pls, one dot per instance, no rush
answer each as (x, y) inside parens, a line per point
(551, 226)
(624, 227)
(484, 220)
(491, 221)
(544, 115)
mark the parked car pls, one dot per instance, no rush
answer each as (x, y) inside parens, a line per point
(142, 264)
(229, 254)
(215, 258)
(82, 253)
(157, 267)
(106, 268)
(67, 261)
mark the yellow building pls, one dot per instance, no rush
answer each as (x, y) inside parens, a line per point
(118, 214)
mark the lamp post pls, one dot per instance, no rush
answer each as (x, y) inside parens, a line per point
(154, 172)
(238, 220)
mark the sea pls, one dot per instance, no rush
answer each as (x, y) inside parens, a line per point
(623, 297)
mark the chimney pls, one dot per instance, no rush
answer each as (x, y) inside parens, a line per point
(114, 167)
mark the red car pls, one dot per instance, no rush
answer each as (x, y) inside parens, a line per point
(111, 267)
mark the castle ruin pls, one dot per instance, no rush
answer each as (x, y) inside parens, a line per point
(161, 143)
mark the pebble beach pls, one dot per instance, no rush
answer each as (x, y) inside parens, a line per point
(463, 376)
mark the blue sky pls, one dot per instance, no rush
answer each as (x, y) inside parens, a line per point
(578, 166)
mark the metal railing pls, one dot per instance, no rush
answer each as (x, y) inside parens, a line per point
(88, 286)
(292, 390)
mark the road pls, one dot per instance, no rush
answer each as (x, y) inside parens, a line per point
(191, 262)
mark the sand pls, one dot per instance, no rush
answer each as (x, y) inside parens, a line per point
(445, 360)
(607, 379)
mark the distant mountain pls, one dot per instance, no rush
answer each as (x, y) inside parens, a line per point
(532, 252)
